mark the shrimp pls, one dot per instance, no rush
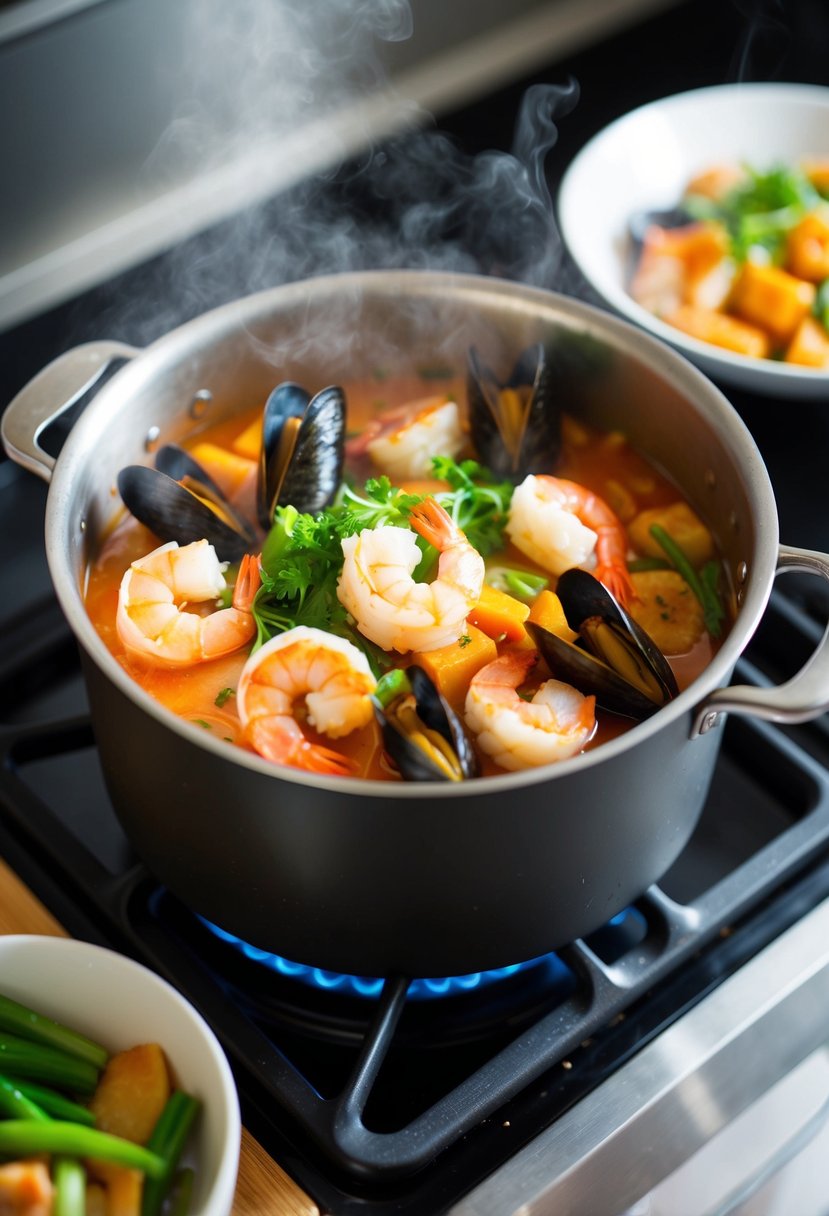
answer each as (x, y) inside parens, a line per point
(402, 442)
(333, 677)
(560, 524)
(152, 618)
(519, 734)
(26, 1188)
(390, 608)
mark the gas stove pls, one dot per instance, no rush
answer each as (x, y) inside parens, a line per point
(575, 1082)
(402, 1094)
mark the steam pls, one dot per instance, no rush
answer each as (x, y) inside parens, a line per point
(765, 38)
(260, 69)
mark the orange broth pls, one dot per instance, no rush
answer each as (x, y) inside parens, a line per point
(603, 462)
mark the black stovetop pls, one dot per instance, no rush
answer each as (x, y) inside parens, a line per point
(462, 1082)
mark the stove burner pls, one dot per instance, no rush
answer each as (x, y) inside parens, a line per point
(610, 942)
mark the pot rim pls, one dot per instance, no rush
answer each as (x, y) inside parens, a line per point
(671, 366)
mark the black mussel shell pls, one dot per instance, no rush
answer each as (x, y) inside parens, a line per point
(616, 660)
(670, 217)
(174, 512)
(427, 741)
(303, 449)
(524, 437)
(180, 465)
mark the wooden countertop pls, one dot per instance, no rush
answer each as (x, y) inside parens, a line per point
(263, 1189)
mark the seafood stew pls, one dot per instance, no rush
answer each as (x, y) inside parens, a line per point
(742, 261)
(459, 578)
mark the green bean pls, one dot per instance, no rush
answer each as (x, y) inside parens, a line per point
(23, 1137)
(168, 1139)
(28, 1024)
(641, 564)
(69, 1177)
(55, 1104)
(390, 685)
(519, 583)
(26, 1059)
(14, 1104)
(181, 1193)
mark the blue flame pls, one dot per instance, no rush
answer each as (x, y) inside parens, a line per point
(617, 936)
(361, 986)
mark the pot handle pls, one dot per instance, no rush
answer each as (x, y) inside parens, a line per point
(52, 391)
(804, 696)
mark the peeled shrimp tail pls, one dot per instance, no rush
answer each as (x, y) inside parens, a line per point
(460, 564)
(280, 740)
(248, 583)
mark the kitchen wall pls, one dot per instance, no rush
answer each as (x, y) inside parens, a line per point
(130, 124)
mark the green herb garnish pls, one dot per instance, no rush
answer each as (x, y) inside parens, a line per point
(761, 210)
(520, 584)
(478, 503)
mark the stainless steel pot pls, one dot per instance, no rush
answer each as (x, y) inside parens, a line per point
(375, 879)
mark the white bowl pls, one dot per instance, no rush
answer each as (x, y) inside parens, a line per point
(643, 161)
(119, 1003)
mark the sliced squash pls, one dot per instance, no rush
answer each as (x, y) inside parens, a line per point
(132, 1092)
(772, 299)
(721, 330)
(667, 609)
(452, 667)
(810, 345)
(500, 616)
(681, 523)
(807, 247)
(548, 612)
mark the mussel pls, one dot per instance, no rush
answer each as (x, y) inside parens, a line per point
(303, 449)
(515, 425)
(178, 500)
(301, 463)
(615, 659)
(423, 735)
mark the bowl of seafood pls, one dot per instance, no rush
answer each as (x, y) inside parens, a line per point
(417, 597)
(122, 1098)
(704, 218)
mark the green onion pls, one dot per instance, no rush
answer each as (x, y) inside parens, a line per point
(391, 685)
(39, 1029)
(519, 583)
(54, 1104)
(642, 564)
(14, 1104)
(23, 1137)
(168, 1139)
(705, 592)
(70, 1187)
(26, 1059)
(181, 1193)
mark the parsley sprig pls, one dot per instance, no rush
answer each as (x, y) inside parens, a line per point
(477, 503)
(760, 211)
(302, 556)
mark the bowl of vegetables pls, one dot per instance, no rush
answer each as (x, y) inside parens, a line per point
(115, 1095)
(704, 218)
